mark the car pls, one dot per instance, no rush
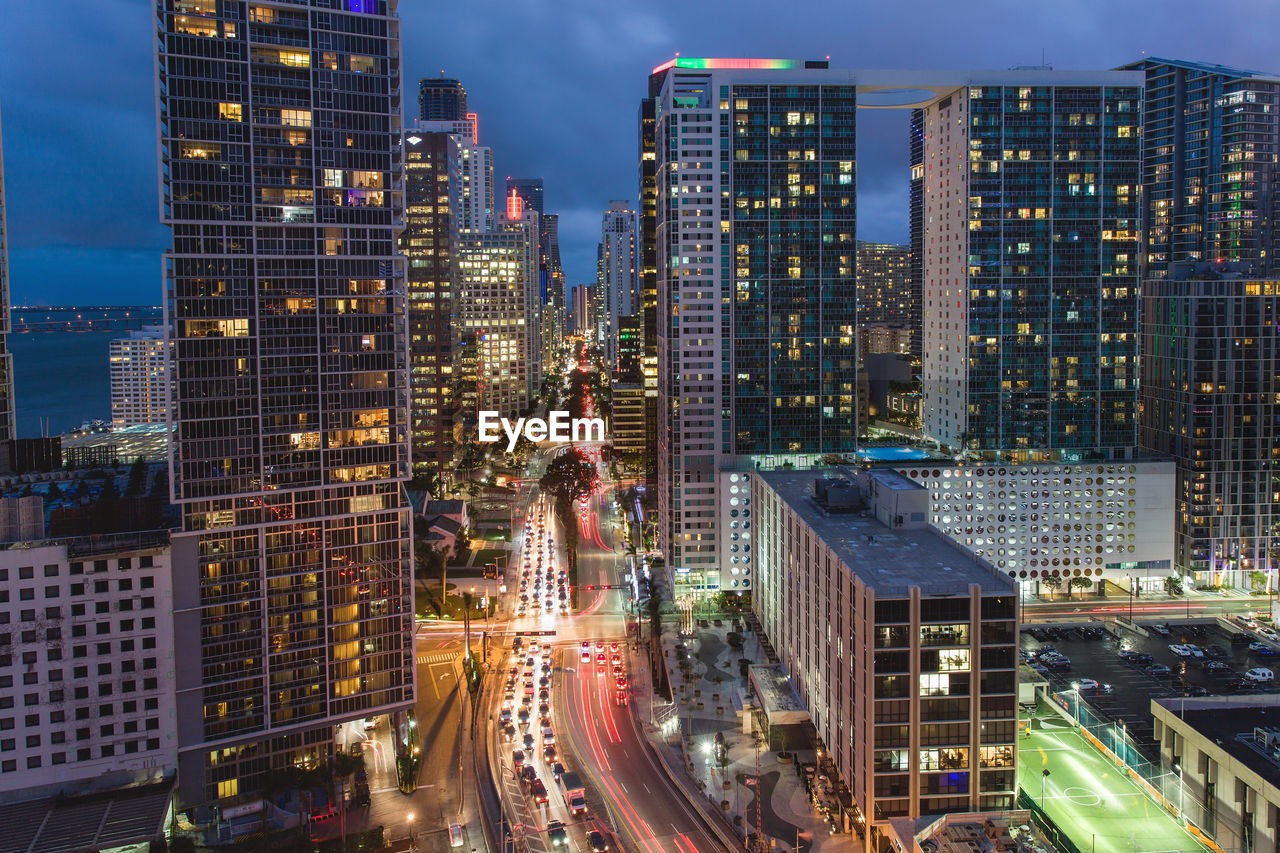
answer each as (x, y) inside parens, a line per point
(586, 656)
(1056, 662)
(539, 791)
(1269, 634)
(1197, 691)
(1180, 650)
(1158, 670)
(1087, 684)
(1215, 652)
(544, 710)
(1127, 655)
(370, 723)
(509, 733)
(528, 775)
(522, 716)
(1262, 650)
(549, 753)
(546, 668)
(620, 698)
(1260, 675)
(599, 645)
(613, 647)
(557, 834)
(620, 682)
(548, 736)
(455, 835)
(1239, 638)
(517, 759)
(1195, 651)
(544, 695)
(600, 660)
(596, 841)
(557, 770)
(1217, 668)
(528, 741)
(1162, 630)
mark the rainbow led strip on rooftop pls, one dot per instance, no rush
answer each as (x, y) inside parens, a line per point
(715, 64)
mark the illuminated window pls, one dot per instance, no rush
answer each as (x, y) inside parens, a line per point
(229, 112)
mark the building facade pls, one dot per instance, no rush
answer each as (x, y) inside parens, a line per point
(7, 424)
(756, 286)
(1032, 217)
(1103, 521)
(1211, 135)
(285, 300)
(647, 277)
(429, 242)
(86, 665)
(619, 265)
(885, 288)
(902, 647)
(498, 311)
(1211, 400)
(441, 99)
(140, 378)
(476, 211)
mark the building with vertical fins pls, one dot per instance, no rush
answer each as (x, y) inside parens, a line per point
(285, 299)
(441, 99)
(647, 276)
(7, 424)
(915, 222)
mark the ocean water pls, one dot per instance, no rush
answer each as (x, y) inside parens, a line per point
(62, 378)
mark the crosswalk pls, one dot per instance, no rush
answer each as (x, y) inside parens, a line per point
(439, 657)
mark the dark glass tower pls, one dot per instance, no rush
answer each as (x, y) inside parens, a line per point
(429, 241)
(441, 99)
(646, 238)
(6, 360)
(281, 167)
(1211, 136)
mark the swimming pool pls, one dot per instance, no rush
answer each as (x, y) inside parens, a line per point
(892, 454)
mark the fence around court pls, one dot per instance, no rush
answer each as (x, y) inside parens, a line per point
(1045, 824)
(1162, 784)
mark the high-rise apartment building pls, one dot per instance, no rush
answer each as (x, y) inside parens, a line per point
(755, 277)
(619, 264)
(430, 241)
(583, 321)
(476, 209)
(885, 296)
(7, 426)
(1211, 400)
(555, 308)
(441, 99)
(1031, 211)
(529, 190)
(281, 169)
(1211, 136)
(140, 378)
(903, 648)
(647, 275)
(915, 223)
(498, 311)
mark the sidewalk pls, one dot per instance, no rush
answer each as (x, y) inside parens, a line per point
(785, 809)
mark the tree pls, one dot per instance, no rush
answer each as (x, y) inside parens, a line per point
(1173, 585)
(1080, 584)
(568, 479)
(1053, 583)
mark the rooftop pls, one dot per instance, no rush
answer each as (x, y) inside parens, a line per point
(105, 821)
(1233, 731)
(889, 561)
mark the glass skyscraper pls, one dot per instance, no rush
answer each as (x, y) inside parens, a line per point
(6, 360)
(281, 167)
(440, 99)
(1031, 254)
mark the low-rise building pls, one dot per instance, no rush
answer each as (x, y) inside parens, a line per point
(1221, 761)
(86, 665)
(902, 645)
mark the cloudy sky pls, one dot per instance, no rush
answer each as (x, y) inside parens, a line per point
(556, 84)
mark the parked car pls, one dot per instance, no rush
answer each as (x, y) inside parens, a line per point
(1260, 675)
(1239, 638)
(1158, 670)
(1162, 630)
(1262, 650)
(1217, 668)
(455, 835)
(1180, 650)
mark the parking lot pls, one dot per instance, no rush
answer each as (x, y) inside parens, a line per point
(1126, 688)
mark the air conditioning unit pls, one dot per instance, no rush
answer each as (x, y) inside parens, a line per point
(1267, 737)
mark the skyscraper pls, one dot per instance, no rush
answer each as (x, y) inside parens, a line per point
(1210, 382)
(441, 99)
(140, 377)
(884, 286)
(1211, 135)
(498, 312)
(529, 190)
(647, 275)
(618, 268)
(285, 300)
(755, 255)
(476, 212)
(430, 241)
(1031, 211)
(6, 359)
(915, 216)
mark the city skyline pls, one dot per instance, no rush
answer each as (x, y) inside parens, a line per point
(60, 240)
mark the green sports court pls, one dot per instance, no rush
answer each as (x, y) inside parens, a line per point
(1091, 799)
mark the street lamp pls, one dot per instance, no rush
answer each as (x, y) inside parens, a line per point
(409, 820)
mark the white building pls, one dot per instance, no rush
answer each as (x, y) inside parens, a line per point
(618, 270)
(140, 378)
(86, 665)
(1105, 521)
